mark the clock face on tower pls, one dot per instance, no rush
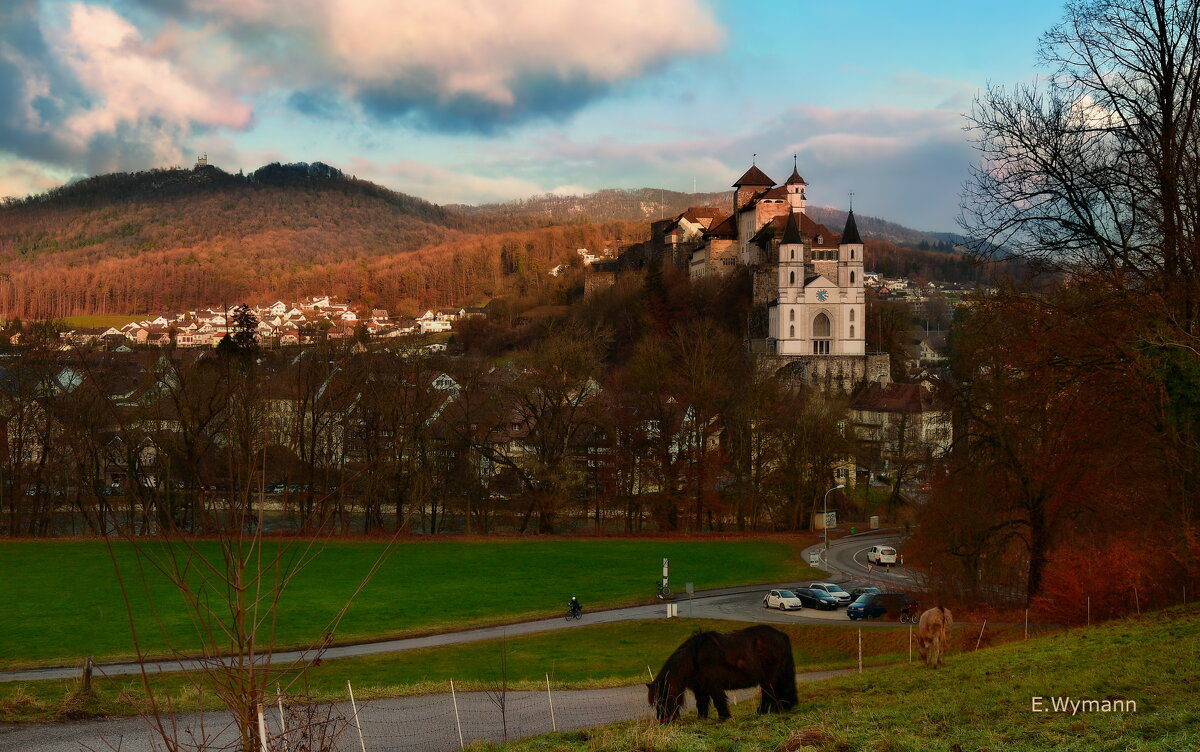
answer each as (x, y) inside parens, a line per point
(822, 295)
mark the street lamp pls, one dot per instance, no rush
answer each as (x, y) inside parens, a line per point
(825, 521)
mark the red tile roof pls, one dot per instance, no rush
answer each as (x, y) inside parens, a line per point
(726, 228)
(754, 177)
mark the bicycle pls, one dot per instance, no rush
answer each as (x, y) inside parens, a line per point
(574, 613)
(664, 592)
(910, 616)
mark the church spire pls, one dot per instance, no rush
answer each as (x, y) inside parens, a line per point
(850, 234)
(795, 178)
(791, 231)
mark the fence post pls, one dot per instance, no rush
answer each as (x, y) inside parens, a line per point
(860, 651)
(282, 722)
(1089, 611)
(553, 723)
(262, 729)
(980, 639)
(457, 721)
(361, 742)
(648, 671)
(910, 643)
(1136, 603)
(1026, 624)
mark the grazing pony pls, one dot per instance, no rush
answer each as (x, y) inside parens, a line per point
(709, 663)
(933, 635)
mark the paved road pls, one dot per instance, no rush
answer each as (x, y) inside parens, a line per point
(846, 564)
(426, 723)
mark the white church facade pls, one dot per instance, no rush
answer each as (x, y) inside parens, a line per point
(807, 279)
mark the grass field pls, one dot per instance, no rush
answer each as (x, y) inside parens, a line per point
(590, 656)
(979, 701)
(90, 322)
(62, 602)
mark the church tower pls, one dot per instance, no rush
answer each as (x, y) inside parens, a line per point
(850, 282)
(795, 189)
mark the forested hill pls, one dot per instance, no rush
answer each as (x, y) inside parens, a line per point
(174, 239)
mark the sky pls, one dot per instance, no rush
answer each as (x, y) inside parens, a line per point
(478, 101)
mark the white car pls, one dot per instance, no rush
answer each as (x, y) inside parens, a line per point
(881, 555)
(784, 600)
(843, 598)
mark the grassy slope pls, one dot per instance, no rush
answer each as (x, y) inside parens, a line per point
(980, 701)
(62, 601)
(603, 655)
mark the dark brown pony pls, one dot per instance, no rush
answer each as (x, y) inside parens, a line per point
(709, 663)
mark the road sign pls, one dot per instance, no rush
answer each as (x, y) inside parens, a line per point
(814, 557)
(831, 519)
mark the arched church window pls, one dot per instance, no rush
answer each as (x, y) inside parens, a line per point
(851, 253)
(852, 331)
(792, 332)
(851, 277)
(793, 252)
(791, 278)
(821, 325)
(792, 315)
(852, 314)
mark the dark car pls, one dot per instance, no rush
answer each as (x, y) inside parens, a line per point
(859, 592)
(816, 598)
(876, 605)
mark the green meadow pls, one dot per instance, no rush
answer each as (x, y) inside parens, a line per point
(63, 603)
(602, 655)
(979, 701)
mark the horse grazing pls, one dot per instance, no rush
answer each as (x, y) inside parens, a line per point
(709, 663)
(933, 635)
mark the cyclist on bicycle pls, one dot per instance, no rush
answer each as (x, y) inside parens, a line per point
(575, 606)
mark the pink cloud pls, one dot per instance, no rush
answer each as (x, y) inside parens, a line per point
(133, 84)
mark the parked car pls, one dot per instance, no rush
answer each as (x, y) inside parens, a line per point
(819, 599)
(877, 605)
(859, 592)
(843, 598)
(784, 600)
(884, 556)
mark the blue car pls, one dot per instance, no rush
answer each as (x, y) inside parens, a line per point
(876, 605)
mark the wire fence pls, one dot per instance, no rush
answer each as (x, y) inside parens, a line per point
(451, 720)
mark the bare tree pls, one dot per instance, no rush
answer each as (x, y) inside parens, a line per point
(1096, 176)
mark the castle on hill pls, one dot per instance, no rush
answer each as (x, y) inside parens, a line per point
(809, 297)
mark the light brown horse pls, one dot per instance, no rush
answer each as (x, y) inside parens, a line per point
(933, 635)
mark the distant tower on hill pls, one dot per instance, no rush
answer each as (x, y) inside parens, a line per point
(202, 161)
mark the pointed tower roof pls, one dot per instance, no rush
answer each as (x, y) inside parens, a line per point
(754, 177)
(795, 178)
(791, 232)
(850, 234)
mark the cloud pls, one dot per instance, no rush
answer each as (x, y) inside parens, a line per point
(129, 84)
(469, 66)
(92, 93)
(21, 177)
